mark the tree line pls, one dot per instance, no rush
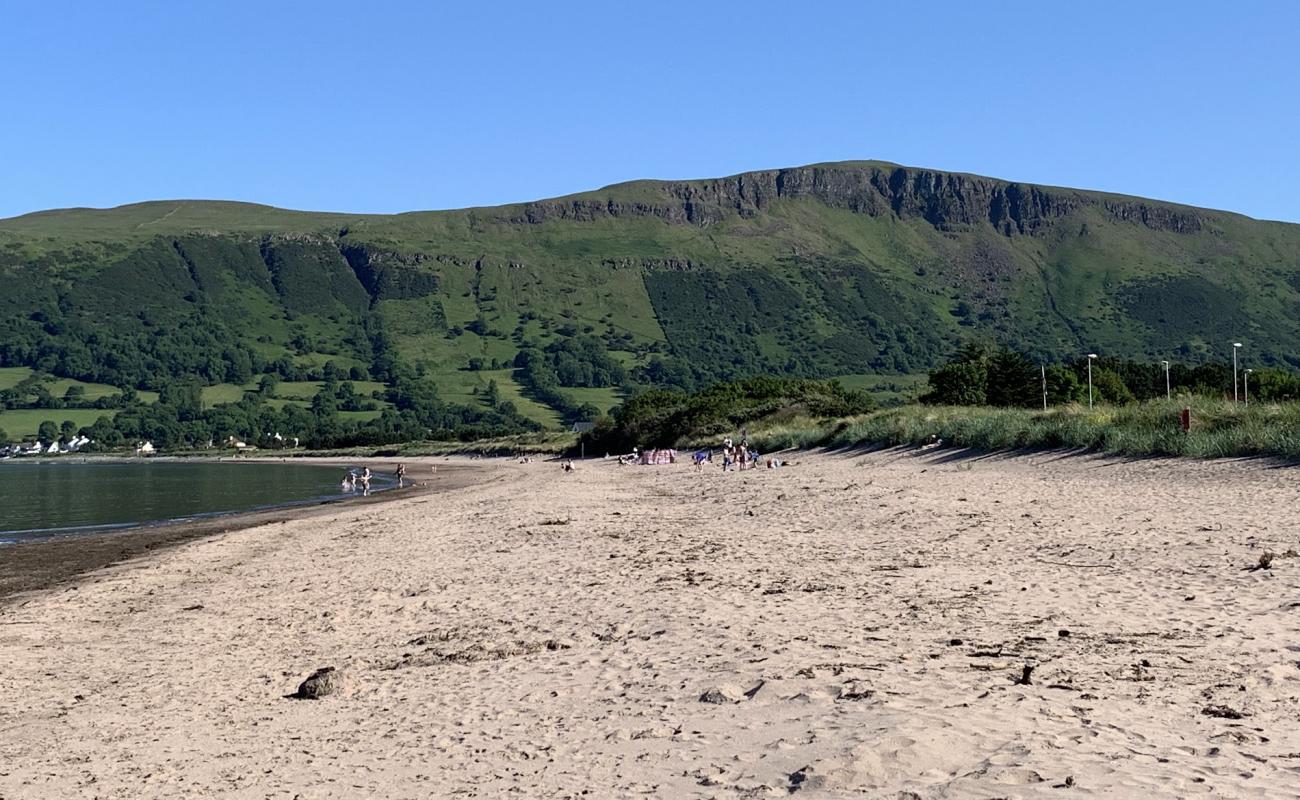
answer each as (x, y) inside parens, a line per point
(179, 419)
(982, 376)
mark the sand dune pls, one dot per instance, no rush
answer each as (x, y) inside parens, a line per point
(851, 626)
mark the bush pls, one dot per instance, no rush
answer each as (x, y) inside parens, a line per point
(958, 384)
(662, 418)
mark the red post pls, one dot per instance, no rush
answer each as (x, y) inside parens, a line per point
(1185, 416)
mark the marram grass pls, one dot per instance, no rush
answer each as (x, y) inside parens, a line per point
(1219, 429)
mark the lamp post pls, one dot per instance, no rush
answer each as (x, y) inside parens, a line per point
(1091, 356)
(1235, 347)
(1167, 393)
(1043, 370)
(1245, 384)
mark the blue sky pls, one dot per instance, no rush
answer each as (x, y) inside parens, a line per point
(395, 106)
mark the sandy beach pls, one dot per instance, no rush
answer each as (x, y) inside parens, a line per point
(854, 625)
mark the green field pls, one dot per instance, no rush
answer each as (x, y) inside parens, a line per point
(12, 376)
(225, 393)
(604, 399)
(286, 390)
(57, 387)
(887, 389)
(468, 387)
(22, 423)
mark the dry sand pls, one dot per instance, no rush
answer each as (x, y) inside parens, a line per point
(862, 620)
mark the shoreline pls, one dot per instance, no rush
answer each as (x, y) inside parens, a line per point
(62, 560)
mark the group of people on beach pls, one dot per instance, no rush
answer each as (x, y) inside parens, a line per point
(353, 480)
(738, 455)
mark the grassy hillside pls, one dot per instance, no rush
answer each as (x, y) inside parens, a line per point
(852, 269)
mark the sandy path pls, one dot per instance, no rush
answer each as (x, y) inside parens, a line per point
(550, 635)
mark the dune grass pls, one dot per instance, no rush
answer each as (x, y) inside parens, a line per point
(1219, 429)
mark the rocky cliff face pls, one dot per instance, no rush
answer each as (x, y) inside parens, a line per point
(945, 200)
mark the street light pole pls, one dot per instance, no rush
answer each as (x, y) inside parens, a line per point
(1245, 384)
(1043, 369)
(1091, 356)
(1167, 393)
(1235, 347)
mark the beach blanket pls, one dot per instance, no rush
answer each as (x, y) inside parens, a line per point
(657, 457)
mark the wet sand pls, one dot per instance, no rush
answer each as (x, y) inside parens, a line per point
(856, 625)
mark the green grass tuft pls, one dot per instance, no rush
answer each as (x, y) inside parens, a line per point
(1219, 429)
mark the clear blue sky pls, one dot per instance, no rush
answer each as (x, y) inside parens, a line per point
(395, 106)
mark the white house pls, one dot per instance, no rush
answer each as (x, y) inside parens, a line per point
(145, 449)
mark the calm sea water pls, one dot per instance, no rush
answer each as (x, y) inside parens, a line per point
(38, 500)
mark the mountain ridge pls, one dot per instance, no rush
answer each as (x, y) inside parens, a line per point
(840, 269)
(20, 222)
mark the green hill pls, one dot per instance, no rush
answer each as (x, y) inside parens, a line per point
(852, 268)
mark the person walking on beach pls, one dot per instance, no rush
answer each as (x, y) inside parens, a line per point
(401, 473)
(365, 481)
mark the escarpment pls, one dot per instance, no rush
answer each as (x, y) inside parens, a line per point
(945, 200)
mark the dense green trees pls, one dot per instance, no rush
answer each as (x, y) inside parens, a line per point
(179, 420)
(976, 377)
(1109, 387)
(1064, 385)
(814, 317)
(581, 361)
(662, 418)
(964, 382)
(1005, 378)
(1274, 384)
(48, 432)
